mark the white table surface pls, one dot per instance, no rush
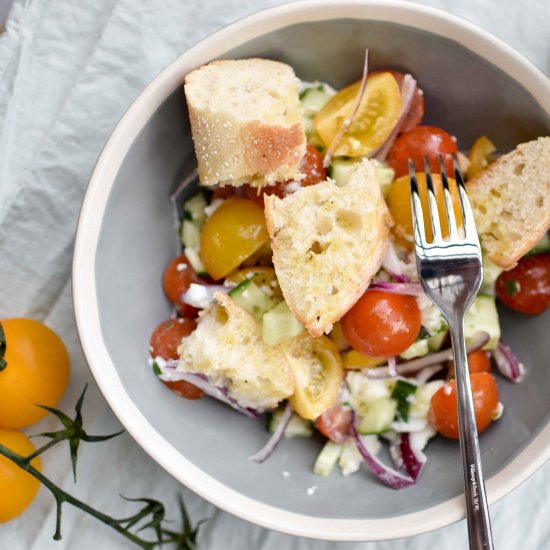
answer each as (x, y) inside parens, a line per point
(68, 70)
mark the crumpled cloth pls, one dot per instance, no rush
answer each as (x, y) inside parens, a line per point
(68, 71)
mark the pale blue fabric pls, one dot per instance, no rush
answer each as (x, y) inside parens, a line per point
(68, 70)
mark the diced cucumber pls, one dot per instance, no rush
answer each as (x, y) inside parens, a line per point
(416, 349)
(190, 235)
(436, 341)
(313, 99)
(490, 274)
(402, 392)
(195, 261)
(378, 416)
(384, 175)
(542, 246)
(350, 459)
(250, 297)
(327, 459)
(194, 208)
(296, 427)
(341, 170)
(483, 316)
(279, 324)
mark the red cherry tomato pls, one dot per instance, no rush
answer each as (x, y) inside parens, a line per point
(420, 141)
(229, 192)
(381, 324)
(444, 415)
(312, 168)
(165, 342)
(335, 423)
(167, 337)
(526, 287)
(178, 276)
(478, 361)
(416, 112)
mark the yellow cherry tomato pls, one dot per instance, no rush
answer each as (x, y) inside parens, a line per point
(37, 372)
(480, 156)
(264, 277)
(318, 374)
(233, 233)
(399, 204)
(355, 360)
(17, 487)
(377, 115)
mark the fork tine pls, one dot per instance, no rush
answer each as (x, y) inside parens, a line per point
(416, 207)
(468, 220)
(449, 210)
(432, 202)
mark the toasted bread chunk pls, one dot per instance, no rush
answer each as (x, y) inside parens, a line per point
(246, 120)
(328, 242)
(227, 347)
(511, 202)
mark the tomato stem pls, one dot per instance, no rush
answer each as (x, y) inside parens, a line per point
(152, 512)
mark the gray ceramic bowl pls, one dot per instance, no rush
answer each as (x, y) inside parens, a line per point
(474, 84)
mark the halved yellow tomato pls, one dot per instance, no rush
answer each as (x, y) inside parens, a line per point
(262, 276)
(399, 204)
(318, 375)
(354, 360)
(233, 233)
(377, 115)
(480, 155)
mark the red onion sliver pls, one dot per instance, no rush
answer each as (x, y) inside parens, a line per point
(267, 450)
(413, 459)
(392, 366)
(478, 340)
(408, 89)
(507, 363)
(347, 122)
(426, 373)
(410, 289)
(193, 175)
(384, 473)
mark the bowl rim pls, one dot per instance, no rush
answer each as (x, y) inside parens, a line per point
(90, 221)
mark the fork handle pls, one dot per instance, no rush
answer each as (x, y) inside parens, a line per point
(477, 510)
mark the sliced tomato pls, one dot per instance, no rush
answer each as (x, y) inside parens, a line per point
(178, 277)
(185, 389)
(335, 423)
(167, 337)
(318, 374)
(377, 115)
(416, 112)
(480, 156)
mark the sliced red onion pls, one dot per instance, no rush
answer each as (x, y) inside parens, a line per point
(221, 394)
(267, 450)
(201, 296)
(478, 340)
(186, 181)
(411, 446)
(408, 89)
(507, 363)
(426, 373)
(384, 473)
(410, 289)
(392, 264)
(347, 122)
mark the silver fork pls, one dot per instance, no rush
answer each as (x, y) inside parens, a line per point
(450, 273)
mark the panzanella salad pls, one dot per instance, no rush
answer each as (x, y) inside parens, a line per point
(296, 296)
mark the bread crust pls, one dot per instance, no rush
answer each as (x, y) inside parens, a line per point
(539, 226)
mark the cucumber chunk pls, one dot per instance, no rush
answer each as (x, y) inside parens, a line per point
(327, 459)
(297, 427)
(401, 392)
(314, 99)
(251, 298)
(378, 416)
(483, 316)
(195, 260)
(279, 324)
(190, 235)
(542, 246)
(194, 209)
(341, 170)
